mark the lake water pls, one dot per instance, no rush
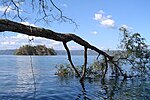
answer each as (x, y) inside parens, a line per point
(17, 83)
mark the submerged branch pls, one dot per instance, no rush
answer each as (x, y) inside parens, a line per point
(106, 65)
(84, 66)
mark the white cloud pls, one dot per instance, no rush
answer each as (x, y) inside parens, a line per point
(27, 23)
(104, 20)
(64, 5)
(4, 43)
(14, 42)
(101, 11)
(108, 16)
(108, 23)
(94, 32)
(98, 17)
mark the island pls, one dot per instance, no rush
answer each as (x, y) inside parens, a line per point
(35, 50)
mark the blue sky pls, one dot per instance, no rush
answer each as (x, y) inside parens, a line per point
(98, 23)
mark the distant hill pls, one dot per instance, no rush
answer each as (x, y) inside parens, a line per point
(61, 52)
(75, 52)
(58, 52)
(7, 52)
(81, 52)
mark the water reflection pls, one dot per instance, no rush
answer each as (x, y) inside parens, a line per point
(115, 89)
(25, 83)
(83, 94)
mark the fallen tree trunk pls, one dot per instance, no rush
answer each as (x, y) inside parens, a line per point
(7, 25)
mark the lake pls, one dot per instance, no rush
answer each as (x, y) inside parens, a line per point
(17, 83)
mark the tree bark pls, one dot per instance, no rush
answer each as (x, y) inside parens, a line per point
(7, 25)
(84, 66)
(69, 58)
(106, 68)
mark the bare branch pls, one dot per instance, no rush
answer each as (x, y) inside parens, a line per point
(6, 10)
(84, 66)
(18, 10)
(62, 17)
(106, 67)
(97, 56)
(32, 3)
(61, 13)
(69, 58)
(45, 10)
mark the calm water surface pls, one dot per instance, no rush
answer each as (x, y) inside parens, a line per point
(16, 82)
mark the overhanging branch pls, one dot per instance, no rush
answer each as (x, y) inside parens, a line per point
(7, 25)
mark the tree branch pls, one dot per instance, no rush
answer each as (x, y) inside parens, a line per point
(69, 58)
(17, 9)
(106, 65)
(84, 66)
(62, 17)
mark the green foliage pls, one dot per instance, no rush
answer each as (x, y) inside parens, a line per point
(35, 50)
(65, 70)
(136, 51)
(95, 70)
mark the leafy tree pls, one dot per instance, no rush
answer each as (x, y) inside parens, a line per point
(135, 52)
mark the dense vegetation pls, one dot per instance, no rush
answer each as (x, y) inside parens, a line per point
(35, 50)
(136, 53)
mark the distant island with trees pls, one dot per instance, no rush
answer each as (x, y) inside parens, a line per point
(35, 50)
(62, 52)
